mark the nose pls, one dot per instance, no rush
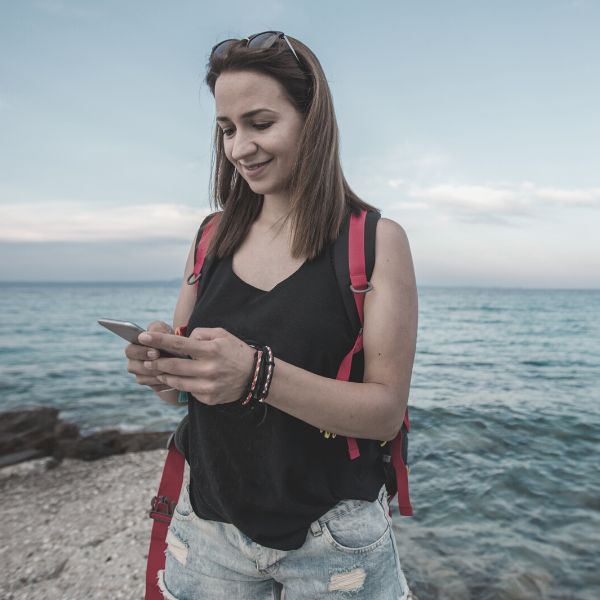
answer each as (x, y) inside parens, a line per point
(243, 146)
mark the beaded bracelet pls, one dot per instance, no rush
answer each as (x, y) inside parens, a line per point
(262, 374)
(269, 367)
(257, 363)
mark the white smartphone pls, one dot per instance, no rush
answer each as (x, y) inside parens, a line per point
(129, 331)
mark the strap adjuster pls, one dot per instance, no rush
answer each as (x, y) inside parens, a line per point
(364, 291)
(162, 509)
(193, 278)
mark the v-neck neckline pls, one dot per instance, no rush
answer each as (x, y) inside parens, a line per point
(249, 285)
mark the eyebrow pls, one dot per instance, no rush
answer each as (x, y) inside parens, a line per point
(250, 113)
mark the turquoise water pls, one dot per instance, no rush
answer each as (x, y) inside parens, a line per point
(504, 414)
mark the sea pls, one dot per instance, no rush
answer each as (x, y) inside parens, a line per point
(504, 411)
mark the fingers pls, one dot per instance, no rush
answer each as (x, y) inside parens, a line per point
(175, 344)
(160, 326)
(179, 366)
(136, 367)
(142, 374)
(189, 384)
(153, 382)
(138, 352)
(208, 333)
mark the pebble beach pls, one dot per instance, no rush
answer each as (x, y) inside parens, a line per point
(78, 529)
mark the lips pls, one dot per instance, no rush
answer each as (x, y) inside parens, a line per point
(257, 171)
(257, 165)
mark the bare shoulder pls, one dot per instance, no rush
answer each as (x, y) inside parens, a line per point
(390, 233)
(392, 252)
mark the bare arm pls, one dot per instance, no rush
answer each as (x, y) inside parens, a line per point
(375, 408)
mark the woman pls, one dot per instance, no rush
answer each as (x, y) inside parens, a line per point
(274, 508)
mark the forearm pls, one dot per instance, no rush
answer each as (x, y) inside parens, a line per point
(360, 410)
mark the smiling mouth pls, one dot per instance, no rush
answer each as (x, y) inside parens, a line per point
(257, 165)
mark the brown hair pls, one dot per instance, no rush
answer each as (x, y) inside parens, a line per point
(320, 196)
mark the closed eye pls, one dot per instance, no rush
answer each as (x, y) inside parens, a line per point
(260, 126)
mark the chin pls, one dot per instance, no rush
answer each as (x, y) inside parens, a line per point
(260, 187)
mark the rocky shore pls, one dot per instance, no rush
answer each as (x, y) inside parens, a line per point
(75, 507)
(38, 432)
(77, 529)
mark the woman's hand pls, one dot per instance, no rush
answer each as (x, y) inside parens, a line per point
(137, 354)
(217, 370)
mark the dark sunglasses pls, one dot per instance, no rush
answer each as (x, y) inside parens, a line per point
(266, 39)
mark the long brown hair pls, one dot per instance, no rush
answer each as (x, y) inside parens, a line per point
(320, 196)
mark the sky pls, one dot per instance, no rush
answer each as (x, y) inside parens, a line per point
(473, 124)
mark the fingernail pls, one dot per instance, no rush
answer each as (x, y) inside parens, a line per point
(148, 364)
(161, 378)
(152, 354)
(145, 337)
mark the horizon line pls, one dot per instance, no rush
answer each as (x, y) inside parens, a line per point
(178, 281)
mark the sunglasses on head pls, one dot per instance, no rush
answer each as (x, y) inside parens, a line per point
(266, 39)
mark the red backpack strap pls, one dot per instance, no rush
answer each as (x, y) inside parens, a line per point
(171, 481)
(344, 374)
(205, 234)
(162, 507)
(401, 471)
(359, 286)
(356, 262)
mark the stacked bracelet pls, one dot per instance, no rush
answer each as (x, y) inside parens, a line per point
(261, 376)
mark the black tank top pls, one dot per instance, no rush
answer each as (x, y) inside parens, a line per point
(269, 473)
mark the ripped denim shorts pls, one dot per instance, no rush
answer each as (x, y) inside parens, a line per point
(349, 552)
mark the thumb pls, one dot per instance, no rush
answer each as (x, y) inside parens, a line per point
(160, 326)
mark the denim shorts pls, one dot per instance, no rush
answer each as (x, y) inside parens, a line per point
(349, 552)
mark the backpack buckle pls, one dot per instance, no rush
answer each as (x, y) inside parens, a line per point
(193, 278)
(162, 509)
(367, 289)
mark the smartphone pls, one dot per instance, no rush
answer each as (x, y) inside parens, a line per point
(129, 331)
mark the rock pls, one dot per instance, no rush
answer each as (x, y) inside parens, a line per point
(109, 442)
(32, 429)
(16, 457)
(37, 432)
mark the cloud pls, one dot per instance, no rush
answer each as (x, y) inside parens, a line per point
(409, 177)
(585, 197)
(494, 202)
(471, 198)
(69, 221)
(73, 222)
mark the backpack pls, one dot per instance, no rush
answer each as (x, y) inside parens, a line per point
(354, 260)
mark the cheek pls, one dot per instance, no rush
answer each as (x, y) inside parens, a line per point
(227, 151)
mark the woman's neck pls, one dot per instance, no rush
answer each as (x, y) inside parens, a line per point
(274, 210)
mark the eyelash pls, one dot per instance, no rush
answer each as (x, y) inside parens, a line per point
(260, 126)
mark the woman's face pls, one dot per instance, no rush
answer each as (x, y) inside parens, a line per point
(271, 135)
